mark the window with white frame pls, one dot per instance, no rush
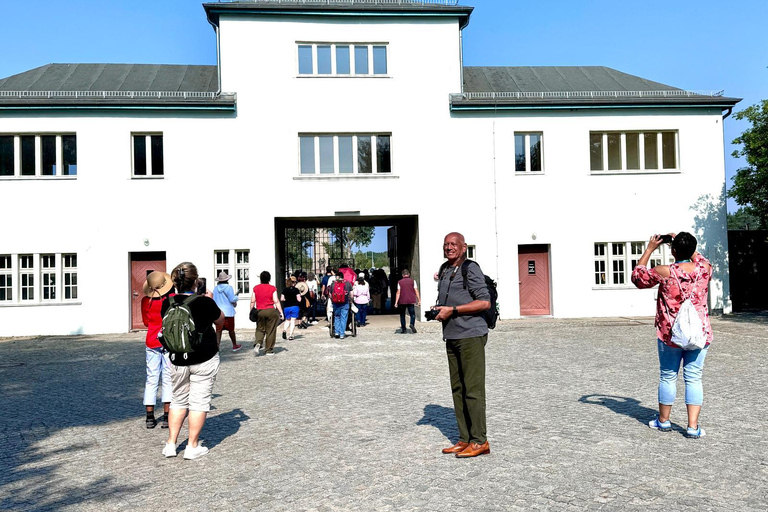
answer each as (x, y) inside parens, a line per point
(342, 59)
(37, 278)
(6, 278)
(242, 266)
(147, 155)
(69, 262)
(528, 152)
(633, 151)
(471, 252)
(38, 156)
(344, 154)
(614, 261)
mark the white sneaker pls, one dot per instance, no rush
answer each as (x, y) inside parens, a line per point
(169, 450)
(195, 452)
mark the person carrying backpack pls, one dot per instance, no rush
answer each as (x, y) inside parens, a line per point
(341, 293)
(687, 279)
(188, 334)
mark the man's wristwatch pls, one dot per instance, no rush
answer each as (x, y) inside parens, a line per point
(455, 312)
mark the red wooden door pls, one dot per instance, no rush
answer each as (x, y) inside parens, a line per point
(139, 270)
(534, 279)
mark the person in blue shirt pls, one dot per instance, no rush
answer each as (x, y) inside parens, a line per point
(225, 298)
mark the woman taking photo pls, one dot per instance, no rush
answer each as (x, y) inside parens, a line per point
(687, 278)
(192, 373)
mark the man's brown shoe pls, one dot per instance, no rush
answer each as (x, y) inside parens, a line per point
(474, 449)
(456, 448)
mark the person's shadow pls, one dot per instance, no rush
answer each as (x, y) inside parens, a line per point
(442, 418)
(622, 405)
(219, 427)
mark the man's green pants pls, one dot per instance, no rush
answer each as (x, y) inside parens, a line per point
(466, 361)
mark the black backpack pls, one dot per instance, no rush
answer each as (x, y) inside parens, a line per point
(491, 314)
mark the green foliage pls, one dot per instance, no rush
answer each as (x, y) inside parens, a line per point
(750, 184)
(345, 239)
(742, 221)
(363, 259)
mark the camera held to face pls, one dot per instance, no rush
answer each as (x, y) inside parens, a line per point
(431, 314)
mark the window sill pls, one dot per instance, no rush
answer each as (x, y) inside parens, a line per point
(344, 76)
(34, 304)
(526, 173)
(45, 178)
(159, 177)
(615, 287)
(345, 177)
(625, 173)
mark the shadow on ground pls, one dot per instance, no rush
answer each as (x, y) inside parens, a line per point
(443, 419)
(622, 405)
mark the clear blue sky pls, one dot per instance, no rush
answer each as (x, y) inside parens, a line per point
(694, 45)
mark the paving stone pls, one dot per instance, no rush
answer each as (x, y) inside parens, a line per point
(328, 425)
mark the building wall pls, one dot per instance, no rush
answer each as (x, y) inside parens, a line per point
(228, 176)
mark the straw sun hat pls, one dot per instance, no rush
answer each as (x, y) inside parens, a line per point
(157, 284)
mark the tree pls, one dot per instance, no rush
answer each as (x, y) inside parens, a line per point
(740, 220)
(345, 239)
(750, 184)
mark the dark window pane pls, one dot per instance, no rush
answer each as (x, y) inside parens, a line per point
(28, 156)
(305, 59)
(342, 60)
(157, 155)
(139, 155)
(345, 155)
(326, 154)
(49, 155)
(651, 151)
(324, 60)
(596, 151)
(364, 164)
(519, 152)
(361, 60)
(6, 155)
(69, 155)
(535, 152)
(383, 156)
(669, 155)
(614, 151)
(307, 150)
(379, 60)
(633, 151)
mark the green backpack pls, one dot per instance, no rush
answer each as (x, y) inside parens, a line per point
(179, 334)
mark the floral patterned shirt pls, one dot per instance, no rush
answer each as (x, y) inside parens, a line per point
(671, 297)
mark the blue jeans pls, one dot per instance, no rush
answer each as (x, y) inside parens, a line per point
(411, 313)
(362, 313)
(669, 367)
(340, 312)
(158, 368)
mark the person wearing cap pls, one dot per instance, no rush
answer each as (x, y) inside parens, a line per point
(226, 299)
(157, 286)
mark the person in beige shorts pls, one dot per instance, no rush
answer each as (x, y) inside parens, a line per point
(194, 373)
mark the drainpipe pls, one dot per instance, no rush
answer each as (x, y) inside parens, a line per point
(218, 55)
(730, 110)
(461, 60)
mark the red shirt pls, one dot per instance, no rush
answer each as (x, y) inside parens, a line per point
(264, 294)
(150, 315)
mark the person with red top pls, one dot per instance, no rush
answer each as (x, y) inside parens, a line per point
(269, 314)
(157, 286)
(687, 278)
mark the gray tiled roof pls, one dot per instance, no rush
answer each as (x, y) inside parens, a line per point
(570, 86)
(114, 85)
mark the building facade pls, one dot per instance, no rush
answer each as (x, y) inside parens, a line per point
(347, 113)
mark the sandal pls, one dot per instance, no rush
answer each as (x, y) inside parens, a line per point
(151, 422)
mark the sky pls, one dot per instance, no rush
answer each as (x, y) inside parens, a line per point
(694, 45)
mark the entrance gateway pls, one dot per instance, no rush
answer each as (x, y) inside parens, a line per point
(313, 243)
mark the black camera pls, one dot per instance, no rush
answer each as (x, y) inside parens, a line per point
(666, 239)
(431, 314)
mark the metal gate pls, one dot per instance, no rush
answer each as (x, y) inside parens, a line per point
(312, 249)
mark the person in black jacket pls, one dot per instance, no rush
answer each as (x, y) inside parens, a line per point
(193, 373)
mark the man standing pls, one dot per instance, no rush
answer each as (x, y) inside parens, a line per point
(465, 333)
(407, 297)
(341, 293)
(225, 298)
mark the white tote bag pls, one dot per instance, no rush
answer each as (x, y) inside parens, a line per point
(688, 330)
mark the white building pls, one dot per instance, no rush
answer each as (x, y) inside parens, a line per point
(346, 113)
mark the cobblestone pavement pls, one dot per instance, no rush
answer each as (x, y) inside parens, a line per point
(358, 425)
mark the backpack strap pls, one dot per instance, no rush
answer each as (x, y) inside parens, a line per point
(465, 271)
(673, 273)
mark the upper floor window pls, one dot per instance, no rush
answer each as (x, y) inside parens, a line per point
(147, 155)
(640, 151)
(614, 261)
(37, 278)
(528, 152)
(38, 156)
(345, 154)
(342, 59)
